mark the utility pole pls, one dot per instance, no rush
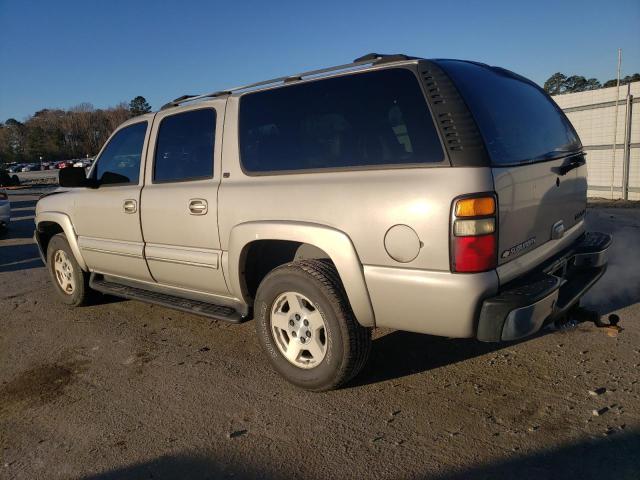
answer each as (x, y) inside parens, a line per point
(615, 123)
(626, 157)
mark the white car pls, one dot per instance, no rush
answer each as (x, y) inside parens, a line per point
(5, 210)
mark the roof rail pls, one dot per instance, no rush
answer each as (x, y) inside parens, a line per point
(369, 59)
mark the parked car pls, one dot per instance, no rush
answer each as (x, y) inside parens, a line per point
(5, 210)
(31, 167)
(15, 168)
(8, 180)
(443, 197)
(64, 164)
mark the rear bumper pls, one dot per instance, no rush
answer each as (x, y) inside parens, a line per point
(524, 305)
(5, 214)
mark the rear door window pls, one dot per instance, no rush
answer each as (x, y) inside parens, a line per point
(518, 121)
(361, 120)
(184, 149)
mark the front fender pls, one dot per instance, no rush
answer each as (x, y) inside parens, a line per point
(334, 242)
(67, 227)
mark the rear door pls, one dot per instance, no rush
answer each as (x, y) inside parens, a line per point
(537, 161)
(179, 201)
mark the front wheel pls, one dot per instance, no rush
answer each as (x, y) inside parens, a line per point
(306, 327)
(69, 281)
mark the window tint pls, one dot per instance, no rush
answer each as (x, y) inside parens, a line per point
(366, 119)
(120, 159)
(518, 121)
(184, 150)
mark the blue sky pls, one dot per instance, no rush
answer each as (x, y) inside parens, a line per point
(62, 53)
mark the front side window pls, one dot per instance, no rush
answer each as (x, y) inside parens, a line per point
(119, 162)
(360, 120)
(184, 150)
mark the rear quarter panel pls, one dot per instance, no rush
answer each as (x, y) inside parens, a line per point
(364, 204)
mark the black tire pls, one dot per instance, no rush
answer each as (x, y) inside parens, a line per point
(348, 343)
(81, 294)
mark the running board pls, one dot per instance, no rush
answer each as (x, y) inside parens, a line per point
(217, 312)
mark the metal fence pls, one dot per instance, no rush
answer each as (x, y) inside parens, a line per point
(613, 172)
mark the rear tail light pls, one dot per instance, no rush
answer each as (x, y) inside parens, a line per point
(475, 207)
(466, 228)
(473, 235)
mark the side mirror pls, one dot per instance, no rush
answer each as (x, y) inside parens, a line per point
(73, 177)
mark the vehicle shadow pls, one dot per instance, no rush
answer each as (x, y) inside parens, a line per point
(416, 353)
(15, 253)
(181, 466)
(620, 285)
(22, 221)
(19, 257)
(23, 204)
(615, 456)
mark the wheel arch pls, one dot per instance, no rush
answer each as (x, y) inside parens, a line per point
(308, 240)
(49, 224)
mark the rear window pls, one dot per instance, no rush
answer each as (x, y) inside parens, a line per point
(518, 121)
(367, 119)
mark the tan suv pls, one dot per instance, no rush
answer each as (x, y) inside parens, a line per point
(436, 196)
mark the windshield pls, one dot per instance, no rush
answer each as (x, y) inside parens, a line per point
(518, 121)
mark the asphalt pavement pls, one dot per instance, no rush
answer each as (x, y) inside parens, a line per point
(126, 390)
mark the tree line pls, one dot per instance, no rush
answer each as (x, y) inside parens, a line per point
(55, 134)
(559, 83)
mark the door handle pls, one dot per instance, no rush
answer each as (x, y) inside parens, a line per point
(198, 206)
(130, 206)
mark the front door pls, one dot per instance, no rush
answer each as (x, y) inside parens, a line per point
(107, 218)
(179, 202)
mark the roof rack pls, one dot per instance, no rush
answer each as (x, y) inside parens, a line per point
(369, 59)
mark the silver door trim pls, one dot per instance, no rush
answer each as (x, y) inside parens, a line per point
(182, 262)
(190, 256)
(111, 247)
(110, 252)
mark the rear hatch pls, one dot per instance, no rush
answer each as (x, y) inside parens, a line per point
(537, 161)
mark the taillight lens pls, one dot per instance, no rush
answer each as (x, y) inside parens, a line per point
(475, 254)
(474, 237)
(475, 207)
(466, 228)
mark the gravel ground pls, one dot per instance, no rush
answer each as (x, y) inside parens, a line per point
(124, 390)
(39, 177)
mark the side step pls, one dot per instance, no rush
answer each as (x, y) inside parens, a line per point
(217, 312)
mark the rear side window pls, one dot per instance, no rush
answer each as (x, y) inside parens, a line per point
(184, 149)
(518, 121)
(119, 162)
(367, 119)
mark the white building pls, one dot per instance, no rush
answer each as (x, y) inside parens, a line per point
(592, 114)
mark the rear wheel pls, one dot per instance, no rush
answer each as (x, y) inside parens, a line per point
(69, 281)
(306, 326)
